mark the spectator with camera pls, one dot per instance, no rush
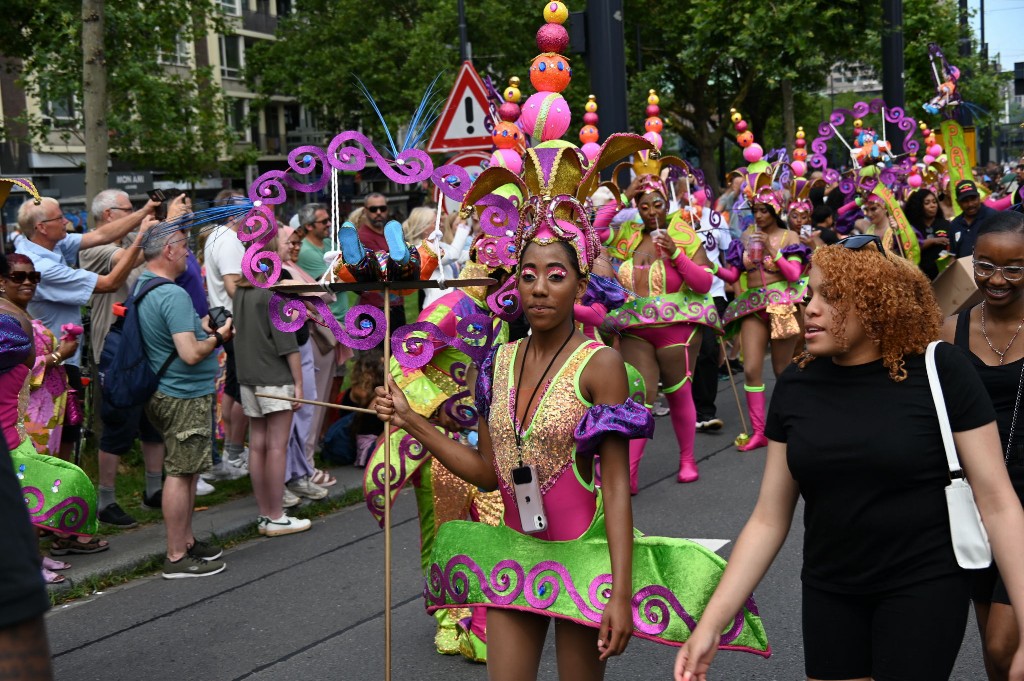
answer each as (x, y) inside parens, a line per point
(181, 407)
(63, 288)
(222, 255)
(122, 426)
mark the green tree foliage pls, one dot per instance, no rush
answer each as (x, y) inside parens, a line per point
(159, 116)
(396, 48)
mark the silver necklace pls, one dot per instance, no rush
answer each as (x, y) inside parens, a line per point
(984, 332)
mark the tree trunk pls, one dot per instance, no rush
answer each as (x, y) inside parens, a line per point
(788, 117)
(94, 101)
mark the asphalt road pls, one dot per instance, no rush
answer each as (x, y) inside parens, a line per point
(310, 606)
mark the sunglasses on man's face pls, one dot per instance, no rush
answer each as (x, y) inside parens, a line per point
(22, 277)
(377, 209)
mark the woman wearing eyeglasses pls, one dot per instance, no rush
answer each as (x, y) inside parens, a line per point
(769, 262)
(989, 334)
(59, 495)
(883, 595)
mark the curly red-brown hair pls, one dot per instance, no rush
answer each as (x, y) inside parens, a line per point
(890, 296)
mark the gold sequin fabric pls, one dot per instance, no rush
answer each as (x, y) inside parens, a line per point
(548, 442)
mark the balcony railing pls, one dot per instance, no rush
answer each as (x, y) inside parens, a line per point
(258, 22)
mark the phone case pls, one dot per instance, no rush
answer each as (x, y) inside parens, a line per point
(528, 499)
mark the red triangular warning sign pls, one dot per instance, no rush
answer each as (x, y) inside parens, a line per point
(462, 125)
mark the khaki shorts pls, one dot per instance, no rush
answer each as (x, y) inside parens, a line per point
(258, 407)
(185, 426)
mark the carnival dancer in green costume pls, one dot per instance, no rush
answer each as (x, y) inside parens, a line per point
(548, 404)
(770, 263)
(664, 263)
(436, 378)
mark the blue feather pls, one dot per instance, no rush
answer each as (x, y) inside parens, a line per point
(425, 115)
(205, 219)
(373, 103)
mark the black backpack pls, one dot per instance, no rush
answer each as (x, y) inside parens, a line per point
(125, 375)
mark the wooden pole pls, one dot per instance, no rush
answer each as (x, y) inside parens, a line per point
(387, 492)
(728, 368)
(315, 403)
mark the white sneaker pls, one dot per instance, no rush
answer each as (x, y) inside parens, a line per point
(285, 525)
(289, 500)
(203, 488)
(220, 471)
(237, 468)
(304, 488)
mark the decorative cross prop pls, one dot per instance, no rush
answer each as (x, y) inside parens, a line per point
(365, 326)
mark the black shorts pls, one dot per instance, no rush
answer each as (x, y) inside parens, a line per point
(231, 387)
(122, 426)
(911, 634)
(71, 433)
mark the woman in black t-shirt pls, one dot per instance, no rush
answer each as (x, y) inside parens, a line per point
(989, 334)
(853, 430)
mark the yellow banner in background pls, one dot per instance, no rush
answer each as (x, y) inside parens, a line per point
(903, 232)
(960, 155)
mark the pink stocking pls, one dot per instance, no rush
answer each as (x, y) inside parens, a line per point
(636, 452)
(684, 421)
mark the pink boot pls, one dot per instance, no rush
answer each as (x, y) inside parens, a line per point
(636, 452)
(755, 405)
(684, 423)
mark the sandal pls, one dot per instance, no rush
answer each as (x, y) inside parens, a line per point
(62, 546)
(52, 577)
(51, 564)
(322, 478)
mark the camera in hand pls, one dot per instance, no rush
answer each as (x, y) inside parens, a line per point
(164, 197)
(219, 316)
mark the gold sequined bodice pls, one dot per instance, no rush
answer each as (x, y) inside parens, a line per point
(548, 442)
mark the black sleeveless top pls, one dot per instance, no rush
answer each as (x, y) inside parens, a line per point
(1002, 384)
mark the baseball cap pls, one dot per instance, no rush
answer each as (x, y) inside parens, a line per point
(966, 189)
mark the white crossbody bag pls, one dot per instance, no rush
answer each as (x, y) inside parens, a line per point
(970, 540)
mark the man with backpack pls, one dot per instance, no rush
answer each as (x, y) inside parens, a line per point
(179, 351)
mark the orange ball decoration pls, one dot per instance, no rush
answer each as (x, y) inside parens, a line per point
(799, 154)
(588, 133)
(745, 139)
(653, 124)
(550, 72)
(507, 135)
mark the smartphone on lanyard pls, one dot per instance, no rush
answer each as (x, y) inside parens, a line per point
(528, 499)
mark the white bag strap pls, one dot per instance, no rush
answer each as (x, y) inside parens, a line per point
(955, 471)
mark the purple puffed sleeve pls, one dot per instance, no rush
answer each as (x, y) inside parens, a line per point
(801, 251)
(15, 344)
(630, 419)
(734, 254)
(484, 379)
(604, 291)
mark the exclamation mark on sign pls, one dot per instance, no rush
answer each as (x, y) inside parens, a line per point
(469, 115)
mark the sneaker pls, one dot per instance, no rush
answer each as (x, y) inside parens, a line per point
(659, 409)
(190, 566)
(237, 468)
(289, 500)
(204, 550)
(203, 488)
(710, 425)
(155, 502)
(226, 470)
(285, 525)
(261, 524)
(115, 515)
(304, 488)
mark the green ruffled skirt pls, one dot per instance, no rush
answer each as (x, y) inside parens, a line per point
(673, 579)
